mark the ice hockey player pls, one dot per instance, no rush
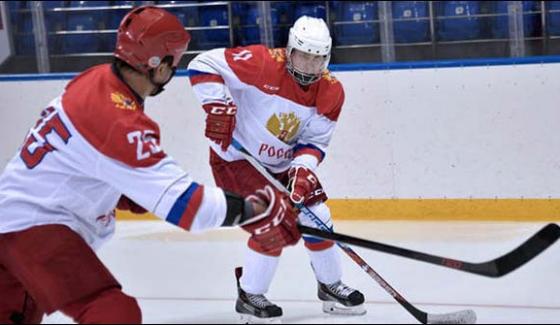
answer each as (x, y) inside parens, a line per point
(94, 148)
(282, 106)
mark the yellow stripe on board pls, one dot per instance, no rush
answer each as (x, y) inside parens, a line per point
(432, 209)
(447, 209)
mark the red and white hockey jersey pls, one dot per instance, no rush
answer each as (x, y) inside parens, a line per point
(277, 121)
(93, 144)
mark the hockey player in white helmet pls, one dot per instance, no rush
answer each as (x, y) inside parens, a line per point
(282, 106)
(309, 50)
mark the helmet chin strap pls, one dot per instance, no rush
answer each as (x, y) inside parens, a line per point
(160, 87)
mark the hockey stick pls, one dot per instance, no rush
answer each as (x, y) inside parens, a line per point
(495, 268)
(459, 317)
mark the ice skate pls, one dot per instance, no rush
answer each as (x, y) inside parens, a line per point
(255, 309)
(340, 299)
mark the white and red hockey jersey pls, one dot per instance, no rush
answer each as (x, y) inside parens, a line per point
(93, 144)
(277, 121)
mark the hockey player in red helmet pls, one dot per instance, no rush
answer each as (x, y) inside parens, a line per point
(92, 150)
(148, 37)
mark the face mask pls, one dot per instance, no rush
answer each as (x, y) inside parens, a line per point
(306, 69)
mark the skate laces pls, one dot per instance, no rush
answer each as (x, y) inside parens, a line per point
(259, 300)
(340, 289)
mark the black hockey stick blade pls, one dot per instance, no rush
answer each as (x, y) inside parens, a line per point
(495, 268)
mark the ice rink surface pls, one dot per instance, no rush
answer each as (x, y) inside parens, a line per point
(180, 277)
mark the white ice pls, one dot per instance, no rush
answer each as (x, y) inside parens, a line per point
(184, 278)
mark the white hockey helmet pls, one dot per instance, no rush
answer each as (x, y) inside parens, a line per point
(309, 35)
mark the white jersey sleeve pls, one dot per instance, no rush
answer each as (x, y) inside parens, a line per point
(124, 146)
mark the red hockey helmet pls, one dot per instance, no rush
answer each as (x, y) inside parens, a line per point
(147, 35)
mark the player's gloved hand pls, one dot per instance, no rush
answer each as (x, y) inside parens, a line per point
(304, 186)
(220, 123)
(274, 226)
(127, 204)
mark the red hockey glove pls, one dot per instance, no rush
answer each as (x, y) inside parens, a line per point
(220, 123)
(127, 204)
(304, 186)
(276, 227)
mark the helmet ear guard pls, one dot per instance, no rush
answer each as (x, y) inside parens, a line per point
(309, 35)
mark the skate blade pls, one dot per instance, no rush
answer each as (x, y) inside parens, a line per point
(335, 308)
(250, 319)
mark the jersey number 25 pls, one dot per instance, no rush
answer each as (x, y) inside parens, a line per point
(36, 145)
